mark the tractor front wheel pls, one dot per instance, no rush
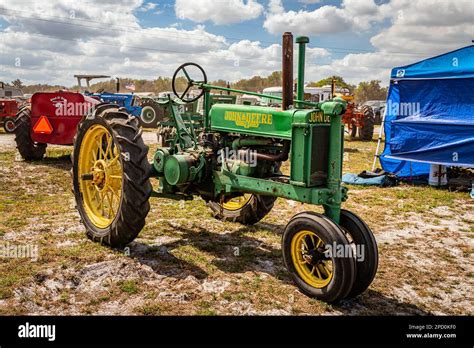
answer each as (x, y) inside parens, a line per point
(28, 149)
(246, 209)
(111, 176)
(365, 246)
(310, 247)
(9, 124)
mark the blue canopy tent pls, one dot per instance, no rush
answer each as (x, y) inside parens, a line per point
(429, 117)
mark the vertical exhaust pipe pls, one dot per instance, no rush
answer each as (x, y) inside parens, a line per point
(117, 85)
(287, 70)
(302, 41)
(333, 88)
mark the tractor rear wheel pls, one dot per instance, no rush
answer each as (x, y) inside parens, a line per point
(151, 114)
(366, 132)
(9, 124)
(246, 209)
(306, 240)
(353, 129)
(365, 243)
(28, 149)
(111, 176)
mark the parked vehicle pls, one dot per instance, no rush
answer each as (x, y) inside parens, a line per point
(7, 91)
(359, 120)
(8, 111)
(144, 108)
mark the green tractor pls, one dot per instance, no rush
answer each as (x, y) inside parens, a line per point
(234, 164)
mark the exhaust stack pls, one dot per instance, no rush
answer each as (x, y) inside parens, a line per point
(302, 41)
(333, 88)
(287, 70)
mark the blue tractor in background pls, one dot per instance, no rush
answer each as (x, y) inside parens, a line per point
(147, 111)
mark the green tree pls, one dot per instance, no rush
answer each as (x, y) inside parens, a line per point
(17, 83)
(220, 83)
(162, 84)
(30, 89)
(328, 80)
(370, 90)
(258, 83)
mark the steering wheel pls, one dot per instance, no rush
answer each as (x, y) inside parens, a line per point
(191, 82)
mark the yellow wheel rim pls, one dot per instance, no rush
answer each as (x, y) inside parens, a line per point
(100, 176)
(307, 256)
(237, 203)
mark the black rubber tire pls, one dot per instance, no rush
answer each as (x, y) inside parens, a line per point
(344, 267)
(9, 124)
(361, 235)
(149, 104)
(136, 186)
(378, 117)
(367, 131)
(28, 149)
(353, 129)
(255, 210)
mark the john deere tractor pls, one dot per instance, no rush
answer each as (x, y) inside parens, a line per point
(234, 165)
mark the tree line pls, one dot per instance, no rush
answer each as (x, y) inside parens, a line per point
(365, 90)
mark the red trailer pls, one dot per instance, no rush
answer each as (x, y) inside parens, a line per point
(51, 118)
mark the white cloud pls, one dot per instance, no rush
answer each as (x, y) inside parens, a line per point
(356, 67)
(218, 11)
(351, 15)
(68, 19)
(148, 7)
(107, 39)
(53, 52)
(415, 30)
(426, 27)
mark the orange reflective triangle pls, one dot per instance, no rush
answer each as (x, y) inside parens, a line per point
(43, 126)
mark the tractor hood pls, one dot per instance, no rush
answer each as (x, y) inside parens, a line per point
(269, 122)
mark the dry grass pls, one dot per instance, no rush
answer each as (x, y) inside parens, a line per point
(185, 262)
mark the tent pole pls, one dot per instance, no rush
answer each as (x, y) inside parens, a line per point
(382, 125)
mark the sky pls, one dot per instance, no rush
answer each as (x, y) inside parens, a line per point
(360, 40)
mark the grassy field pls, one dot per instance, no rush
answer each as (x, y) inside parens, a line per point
(185, 262)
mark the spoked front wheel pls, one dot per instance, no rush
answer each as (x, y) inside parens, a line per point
(317, 271)
(110, 176)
